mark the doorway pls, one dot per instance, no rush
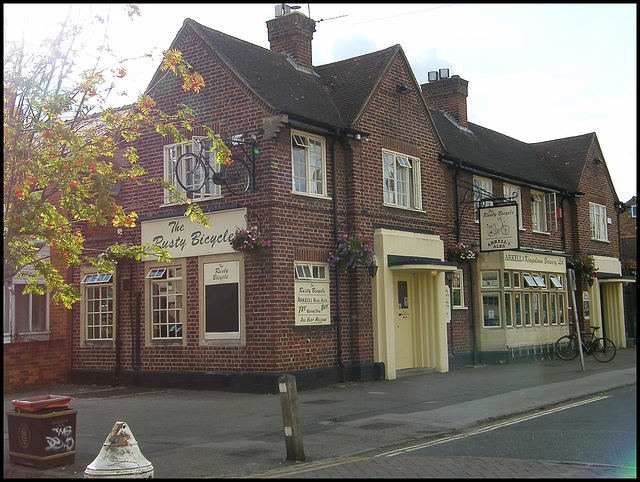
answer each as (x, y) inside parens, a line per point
(404, 323)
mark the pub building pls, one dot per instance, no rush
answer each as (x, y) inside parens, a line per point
(357, 147)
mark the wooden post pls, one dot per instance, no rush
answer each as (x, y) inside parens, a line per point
(291, 417)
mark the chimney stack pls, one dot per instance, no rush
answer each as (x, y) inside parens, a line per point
(291, 33)
(447, 94)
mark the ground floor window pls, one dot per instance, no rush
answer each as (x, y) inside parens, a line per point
(457, 289)
(539, 301)
(222, 300)
(166, 292)
(491, 309)
(24, 313)
(97, 289)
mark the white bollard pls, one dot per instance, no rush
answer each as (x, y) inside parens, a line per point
(120, 456)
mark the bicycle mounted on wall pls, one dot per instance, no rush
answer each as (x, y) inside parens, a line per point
(194, 169)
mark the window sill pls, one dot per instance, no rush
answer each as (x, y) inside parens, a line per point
(404, 208)
(22, 337)
(211, 198)
(546, 233)
(601, 240)
(312, 196)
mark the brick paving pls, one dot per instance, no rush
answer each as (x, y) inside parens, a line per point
(448, 467)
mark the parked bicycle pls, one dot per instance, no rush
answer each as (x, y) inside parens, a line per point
(602, 349)
(193, 170)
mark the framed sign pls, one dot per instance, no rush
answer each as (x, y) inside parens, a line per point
(499, 228)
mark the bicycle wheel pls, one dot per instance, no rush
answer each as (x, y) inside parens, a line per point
(236, 175)
(567, 347)
(191, 172)
(604, 350)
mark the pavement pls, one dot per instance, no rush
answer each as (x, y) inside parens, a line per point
(348, 430)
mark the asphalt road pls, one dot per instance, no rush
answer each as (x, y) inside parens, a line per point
(597, 430)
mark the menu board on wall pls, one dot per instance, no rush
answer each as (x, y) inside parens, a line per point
(312, 303)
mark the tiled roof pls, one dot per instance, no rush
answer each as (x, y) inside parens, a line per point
(333, 94)
(272, 77)
(566, 156)
(494, 153)
(353, 81)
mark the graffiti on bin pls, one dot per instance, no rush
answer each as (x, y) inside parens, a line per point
(62, 441)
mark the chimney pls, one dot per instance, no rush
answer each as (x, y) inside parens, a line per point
(291, 33)
(447, 94)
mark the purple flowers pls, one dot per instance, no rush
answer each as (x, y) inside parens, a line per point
(249, 241)
(352, 251)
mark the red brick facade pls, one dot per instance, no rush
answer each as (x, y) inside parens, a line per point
(301, 228)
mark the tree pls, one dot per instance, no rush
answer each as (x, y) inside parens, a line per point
(64, 153)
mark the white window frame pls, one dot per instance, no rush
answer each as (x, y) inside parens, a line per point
(482, 189)
(171, 153)
(543, 212)
(308, 174)
(457, 277)
(598, 222)
(538, 218)
(105, 313)
(9, 301)
(174, 302)
(633, 212)
(401, 180)
(508, 191)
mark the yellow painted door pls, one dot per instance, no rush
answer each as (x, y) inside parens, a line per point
(403, 324)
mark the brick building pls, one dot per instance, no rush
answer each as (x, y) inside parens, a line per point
(353, 147)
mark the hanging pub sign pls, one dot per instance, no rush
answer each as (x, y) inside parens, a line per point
(499, 228)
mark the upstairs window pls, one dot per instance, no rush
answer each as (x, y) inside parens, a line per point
(401, 180)
(308, 165)
(543, 212)
(598, 222)
(482, 189)
(514, 194)
(172, 153)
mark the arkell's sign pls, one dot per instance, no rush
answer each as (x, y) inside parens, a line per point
(499, 227)
(183, 237)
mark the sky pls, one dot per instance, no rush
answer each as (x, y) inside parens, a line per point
(536, 72)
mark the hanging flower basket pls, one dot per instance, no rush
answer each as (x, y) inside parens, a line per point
(461, 253)
(628, 267)
(353, 251)
(250, 241)
(585, 265)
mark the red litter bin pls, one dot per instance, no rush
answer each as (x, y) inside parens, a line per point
(42, 432)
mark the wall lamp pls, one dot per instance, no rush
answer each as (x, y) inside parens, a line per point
(372, 269)
(402, 89)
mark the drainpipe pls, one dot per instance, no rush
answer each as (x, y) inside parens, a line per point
(473, 319)
(116, 373)
(335, 235)
(456, 193)
(456, 176)
(564, 233)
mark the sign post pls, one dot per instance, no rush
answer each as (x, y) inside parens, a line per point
(571, 274)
